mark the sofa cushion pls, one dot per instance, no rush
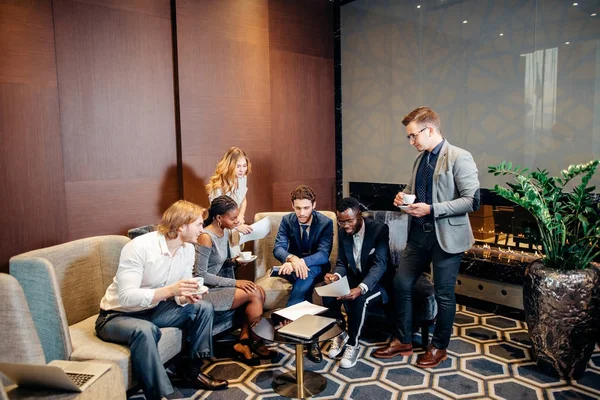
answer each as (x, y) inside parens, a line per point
(87, 346)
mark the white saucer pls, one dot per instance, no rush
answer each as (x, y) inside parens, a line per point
(201, 290)
(403, 207)
(242, 261)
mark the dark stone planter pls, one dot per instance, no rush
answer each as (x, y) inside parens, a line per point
(562, 312)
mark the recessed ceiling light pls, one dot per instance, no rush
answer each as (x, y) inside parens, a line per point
(593, 15)
(567, 42)
(465, 21)
(575, 4)
(419, 6)
(502, 34)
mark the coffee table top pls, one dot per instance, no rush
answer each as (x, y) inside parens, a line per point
(268, 325)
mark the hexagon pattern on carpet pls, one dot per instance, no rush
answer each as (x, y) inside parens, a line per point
(489, 356)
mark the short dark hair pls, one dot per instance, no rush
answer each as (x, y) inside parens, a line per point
(304, 192)
(348, 202)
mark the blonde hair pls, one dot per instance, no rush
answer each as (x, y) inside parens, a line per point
(224, 176)
(178, 214)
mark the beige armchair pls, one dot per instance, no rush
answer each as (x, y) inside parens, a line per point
(20, 344)
(63, 285)
(277, 290)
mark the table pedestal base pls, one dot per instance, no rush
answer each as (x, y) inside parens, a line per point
(287, 386)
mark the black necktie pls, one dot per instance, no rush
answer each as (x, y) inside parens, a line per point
(304, 240)
(422, 187)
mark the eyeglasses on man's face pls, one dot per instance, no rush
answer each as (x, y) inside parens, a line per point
(347, 221)
(413, 136)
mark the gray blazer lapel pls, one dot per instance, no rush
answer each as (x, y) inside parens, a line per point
(442, 160)
(414, 173)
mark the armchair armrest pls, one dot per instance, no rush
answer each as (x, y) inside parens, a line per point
(37, 278)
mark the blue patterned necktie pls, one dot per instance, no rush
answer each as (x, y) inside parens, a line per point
(422, 187)
(304, 247)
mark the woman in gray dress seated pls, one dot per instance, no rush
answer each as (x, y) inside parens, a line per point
(228, 293)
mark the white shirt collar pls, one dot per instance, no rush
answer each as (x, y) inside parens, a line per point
(164, 249)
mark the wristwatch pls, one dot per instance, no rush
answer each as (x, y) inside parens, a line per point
(288, 258)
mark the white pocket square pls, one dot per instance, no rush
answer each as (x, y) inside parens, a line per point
(372, 251)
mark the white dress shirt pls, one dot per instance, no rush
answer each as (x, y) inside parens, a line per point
(145, 265)
(357, 240)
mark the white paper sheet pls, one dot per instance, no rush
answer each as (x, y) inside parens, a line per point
(297, 310)
(260, 230)
(334, 289)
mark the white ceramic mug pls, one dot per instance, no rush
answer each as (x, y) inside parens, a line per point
(200, 281)
(409, 198)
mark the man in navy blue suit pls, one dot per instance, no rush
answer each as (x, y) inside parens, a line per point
(364, 258)
(303, 245)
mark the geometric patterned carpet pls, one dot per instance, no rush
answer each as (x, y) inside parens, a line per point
(488, 358)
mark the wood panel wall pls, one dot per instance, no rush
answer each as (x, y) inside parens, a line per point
(32, 194)
(115, 75)
(258, 75)
(223, 48)
(88, 116)
(302, 106)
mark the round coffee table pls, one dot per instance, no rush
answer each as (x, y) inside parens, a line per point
(297, 384)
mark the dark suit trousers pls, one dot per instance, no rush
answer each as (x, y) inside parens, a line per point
(422, 249)
(355, 309)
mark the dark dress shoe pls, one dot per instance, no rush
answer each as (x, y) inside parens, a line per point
(206, 382)
(313, 353)
(394, 348)
(432, 357)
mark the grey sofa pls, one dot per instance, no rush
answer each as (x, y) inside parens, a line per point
(20, 344)
(63, 285)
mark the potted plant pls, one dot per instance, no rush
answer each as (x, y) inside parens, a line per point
(561, 290)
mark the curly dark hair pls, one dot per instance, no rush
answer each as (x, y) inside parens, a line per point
(303, 192)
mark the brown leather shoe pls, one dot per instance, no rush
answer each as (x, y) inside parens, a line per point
(393, 349)
(432, 357)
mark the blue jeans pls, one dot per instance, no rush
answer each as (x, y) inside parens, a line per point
(141, 332)
(302, 288)
(422, 249)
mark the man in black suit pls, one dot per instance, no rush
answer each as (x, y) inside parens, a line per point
(363, 257)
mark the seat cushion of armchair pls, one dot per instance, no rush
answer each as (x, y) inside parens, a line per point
(277, 291)
(87, 346)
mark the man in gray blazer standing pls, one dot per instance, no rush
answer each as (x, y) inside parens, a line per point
(446, 186)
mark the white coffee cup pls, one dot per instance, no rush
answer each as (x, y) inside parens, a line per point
(246, 255)
(409, 198)
(200, 281)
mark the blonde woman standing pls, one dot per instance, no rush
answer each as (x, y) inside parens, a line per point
(231, 179)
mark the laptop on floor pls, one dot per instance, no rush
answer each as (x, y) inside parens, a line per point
(73, 376)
